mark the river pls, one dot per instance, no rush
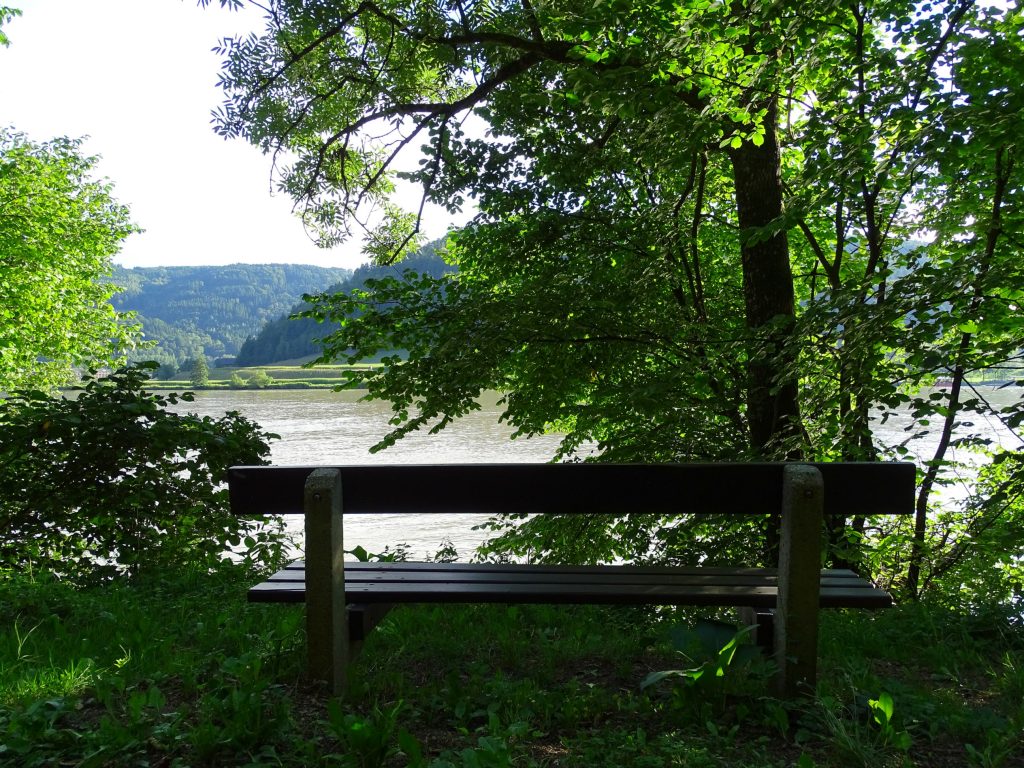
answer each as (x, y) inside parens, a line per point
(336, 428)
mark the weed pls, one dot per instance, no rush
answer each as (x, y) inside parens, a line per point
(1008, 677)
(397, 555)
(21, 639)
(858, 741)
(882, 710)
(368, 742)
(446, 553)
(718, 659)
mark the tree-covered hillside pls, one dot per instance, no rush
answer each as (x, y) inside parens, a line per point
(211, 309)
(288, 338)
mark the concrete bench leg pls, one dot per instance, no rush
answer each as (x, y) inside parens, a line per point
(327, 631)
(362, 618)
(796, 618)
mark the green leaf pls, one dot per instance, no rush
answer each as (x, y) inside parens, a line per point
(969, 327)
(359, 553)
(882, 708)
(656, 677)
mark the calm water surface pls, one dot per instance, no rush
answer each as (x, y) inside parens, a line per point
(334, 428)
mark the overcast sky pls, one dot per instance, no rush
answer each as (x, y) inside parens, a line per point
(139, 79)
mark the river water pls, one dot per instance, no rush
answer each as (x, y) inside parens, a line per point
(336, 428)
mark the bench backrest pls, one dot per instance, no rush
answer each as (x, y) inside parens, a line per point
(740, 488)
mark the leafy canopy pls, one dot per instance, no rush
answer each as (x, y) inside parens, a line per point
(6, 14)
(704, 231)
(59, 229)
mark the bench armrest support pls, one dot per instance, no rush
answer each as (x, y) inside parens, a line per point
(326, 620)
(796, 620)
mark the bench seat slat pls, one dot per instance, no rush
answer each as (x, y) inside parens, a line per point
(525, 576)
(355, 568)
(397, 583)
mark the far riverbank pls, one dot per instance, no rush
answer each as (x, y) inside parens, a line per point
(264, 377)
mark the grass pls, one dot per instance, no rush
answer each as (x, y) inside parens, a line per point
(181, 671)
(280, 377)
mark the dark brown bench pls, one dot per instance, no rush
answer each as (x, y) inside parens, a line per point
(345, 599)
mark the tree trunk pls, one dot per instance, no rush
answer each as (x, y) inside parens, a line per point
(773, 411)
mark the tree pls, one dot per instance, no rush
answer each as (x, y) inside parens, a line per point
(59, 229)
(199, 374)
(538, 77)
(6, 14)
(260, 379)
(113, 482)
(705, 230)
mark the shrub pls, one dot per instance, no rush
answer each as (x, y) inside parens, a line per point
(112, 482)
(260, 379)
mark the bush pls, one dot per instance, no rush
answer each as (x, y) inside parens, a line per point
(260, 380)
(111, 482)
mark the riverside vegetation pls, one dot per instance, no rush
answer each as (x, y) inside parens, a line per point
(127, 640)
(695, 238)
(281, 376)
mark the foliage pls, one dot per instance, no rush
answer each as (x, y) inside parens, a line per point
(199, 375)
(719, 659)
(260, 380)
(59, 229)
(144, 649)
(369, 740)
(299, 334)
(882, 710)
(112, 481)
(211, 307)
(6, 14)
(703, 231)
(976, 558)
(177, 667)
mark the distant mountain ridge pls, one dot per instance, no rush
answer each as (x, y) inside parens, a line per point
(212, 309)
(287, 338)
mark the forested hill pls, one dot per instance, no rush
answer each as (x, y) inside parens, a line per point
(188, 310)
(288, 338)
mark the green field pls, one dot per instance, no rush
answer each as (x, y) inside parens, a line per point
(268, 377)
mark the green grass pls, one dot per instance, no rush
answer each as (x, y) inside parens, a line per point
(282, 377)
(183, 672)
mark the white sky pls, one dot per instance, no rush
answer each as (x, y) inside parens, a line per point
(139, 79)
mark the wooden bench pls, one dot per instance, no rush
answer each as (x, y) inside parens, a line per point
(345, 599)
